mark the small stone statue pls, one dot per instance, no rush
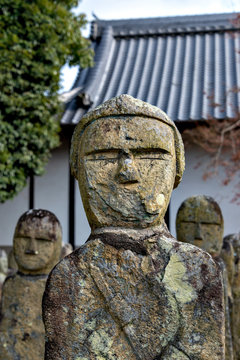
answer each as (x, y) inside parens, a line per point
(233, 241)
(200, 222)
(132, 291)
(37, 246)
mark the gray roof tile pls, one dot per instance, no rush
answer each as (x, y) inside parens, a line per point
(189, 66)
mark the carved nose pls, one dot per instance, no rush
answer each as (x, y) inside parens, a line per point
(198, 232)
(127, 172)
(31, 247)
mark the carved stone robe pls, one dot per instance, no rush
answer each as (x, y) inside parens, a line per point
(130, 295)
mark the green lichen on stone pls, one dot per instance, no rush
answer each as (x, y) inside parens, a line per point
(101, 342)
(175, 278)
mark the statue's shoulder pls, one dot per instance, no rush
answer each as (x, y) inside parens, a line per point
(191, 272)
(201, 269)
(71, 264)
(189, 253)
(9, 279)
(195, 261)
(9, 282)
(195, 256)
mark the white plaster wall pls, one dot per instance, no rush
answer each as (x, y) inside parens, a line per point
(10, 212)
(82, 228)
(193, 184)
(51, 189)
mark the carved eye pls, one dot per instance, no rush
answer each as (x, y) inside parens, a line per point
(44, 239)
(20, 237)
(108, 155)
(207, 223)
(199, 222)
(152, 154)
(188, 222)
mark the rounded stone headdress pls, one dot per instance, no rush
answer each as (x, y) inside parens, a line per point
(126, 105)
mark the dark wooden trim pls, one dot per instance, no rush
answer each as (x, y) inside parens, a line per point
(31, 192)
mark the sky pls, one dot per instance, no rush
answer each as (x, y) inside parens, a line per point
(126, 9)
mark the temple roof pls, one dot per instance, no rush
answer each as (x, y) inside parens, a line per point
(189, 66)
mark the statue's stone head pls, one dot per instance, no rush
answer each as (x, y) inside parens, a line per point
(200, 222)
(127, 156)
(37, 242)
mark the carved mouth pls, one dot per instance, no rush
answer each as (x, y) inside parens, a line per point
(128, 204)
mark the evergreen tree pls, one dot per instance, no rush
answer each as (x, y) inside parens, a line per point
(36, 39)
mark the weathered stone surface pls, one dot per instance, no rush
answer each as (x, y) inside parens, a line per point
(233, 241)
(132, 291)
(229, 352)
(200, 222)
(107, 303)
(37, 247)
(227, 254)
(21, 328)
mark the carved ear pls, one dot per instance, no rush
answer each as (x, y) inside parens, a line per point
(180, 158)
(75, 150)
(177, 181)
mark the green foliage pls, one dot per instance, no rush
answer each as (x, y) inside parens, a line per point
(36, 39)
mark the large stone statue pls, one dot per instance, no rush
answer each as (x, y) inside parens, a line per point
(132, 291)
(37, 246)
(233, 241)
(200, 222)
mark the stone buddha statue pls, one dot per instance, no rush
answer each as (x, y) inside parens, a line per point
(199, 222)
(36, 246)
(131, 291)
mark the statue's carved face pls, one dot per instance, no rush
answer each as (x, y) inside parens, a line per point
(127, 170)
(35, 245)
(199, 223)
